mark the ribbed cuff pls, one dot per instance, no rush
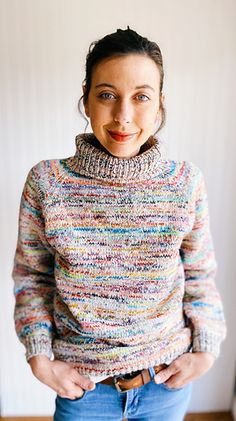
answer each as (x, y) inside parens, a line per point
(38, 345)
(204, 341)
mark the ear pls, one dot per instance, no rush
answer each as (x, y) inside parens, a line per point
(158, 117)
(162, 98)
(159, 111)
(161, 105)
(86, 109)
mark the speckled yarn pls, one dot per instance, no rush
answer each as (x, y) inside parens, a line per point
(114, 268)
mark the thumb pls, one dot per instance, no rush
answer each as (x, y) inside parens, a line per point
(165, 374)
(84, 382)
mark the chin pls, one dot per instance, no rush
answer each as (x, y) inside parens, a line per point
(128, 154)
(119, 151)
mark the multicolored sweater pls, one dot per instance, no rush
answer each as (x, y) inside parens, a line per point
(114, 268)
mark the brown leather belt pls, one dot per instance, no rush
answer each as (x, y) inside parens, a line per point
(132, 380)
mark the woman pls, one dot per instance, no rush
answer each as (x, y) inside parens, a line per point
(114, 267)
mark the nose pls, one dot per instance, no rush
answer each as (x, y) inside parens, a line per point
(123, 112)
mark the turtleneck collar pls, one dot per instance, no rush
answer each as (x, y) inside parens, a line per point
(93, 161)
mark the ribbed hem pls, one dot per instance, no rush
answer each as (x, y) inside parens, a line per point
(38, 345)
(204, 341)
(111, 362)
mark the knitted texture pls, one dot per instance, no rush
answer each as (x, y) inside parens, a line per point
(114, 268)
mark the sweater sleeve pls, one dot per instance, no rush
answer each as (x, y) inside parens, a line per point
(33, 275)
(202, 302)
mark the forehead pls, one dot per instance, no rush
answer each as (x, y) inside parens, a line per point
(130, 69)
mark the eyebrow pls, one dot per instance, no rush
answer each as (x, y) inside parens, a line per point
(112, 86)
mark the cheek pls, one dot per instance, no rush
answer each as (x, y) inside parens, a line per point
(147, 119)
(100, 115)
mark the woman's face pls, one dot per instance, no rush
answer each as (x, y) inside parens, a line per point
(124, 103)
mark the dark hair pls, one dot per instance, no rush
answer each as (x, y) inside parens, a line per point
(122, 43)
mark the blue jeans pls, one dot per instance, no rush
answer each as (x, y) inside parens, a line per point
(151, 402)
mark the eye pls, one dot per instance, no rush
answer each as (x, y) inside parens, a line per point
(106, 95)
(142, 98)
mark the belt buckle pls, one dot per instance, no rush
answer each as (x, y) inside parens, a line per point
(117, 386)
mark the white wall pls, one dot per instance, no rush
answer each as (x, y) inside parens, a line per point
(43, 46)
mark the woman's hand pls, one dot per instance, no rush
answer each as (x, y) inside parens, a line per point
(62, 377)
(184, 369)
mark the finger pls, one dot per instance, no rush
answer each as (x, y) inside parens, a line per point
(176, 381)
(77, 393)
(83, 381)
(166, 373)
(74, 393)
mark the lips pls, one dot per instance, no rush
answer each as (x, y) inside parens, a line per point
(121, 136)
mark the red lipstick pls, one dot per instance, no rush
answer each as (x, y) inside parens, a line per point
(121, 136)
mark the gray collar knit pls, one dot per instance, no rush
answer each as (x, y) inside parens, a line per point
(92, 161)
